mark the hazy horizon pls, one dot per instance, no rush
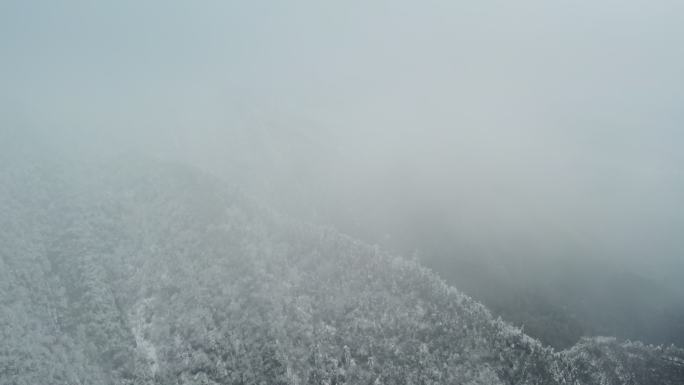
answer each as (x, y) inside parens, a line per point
(554, 128)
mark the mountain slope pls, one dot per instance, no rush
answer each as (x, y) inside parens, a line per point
(144, 273)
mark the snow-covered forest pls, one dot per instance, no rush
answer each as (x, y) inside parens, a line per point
(136, 272)
(304, 192)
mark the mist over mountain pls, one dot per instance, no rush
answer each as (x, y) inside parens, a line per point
(341, 192)
(139, 272)
(548, 269)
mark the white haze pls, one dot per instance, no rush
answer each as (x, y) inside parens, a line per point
(530, 129)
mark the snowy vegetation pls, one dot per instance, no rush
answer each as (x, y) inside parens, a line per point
(147, 273)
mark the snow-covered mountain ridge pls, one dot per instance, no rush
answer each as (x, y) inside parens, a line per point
(138, 272)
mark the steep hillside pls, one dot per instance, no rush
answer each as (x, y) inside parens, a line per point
(147, 273)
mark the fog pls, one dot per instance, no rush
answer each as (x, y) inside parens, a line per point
(528, 134)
